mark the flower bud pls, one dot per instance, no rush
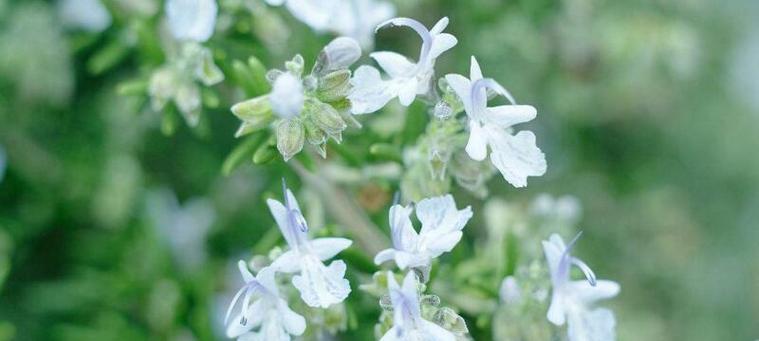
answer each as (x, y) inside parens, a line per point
(334, 86)
(340, 53)
(290, 138)
(314, 135)
(326, 118)
(252, 108)
(450, 320)
(295, 66)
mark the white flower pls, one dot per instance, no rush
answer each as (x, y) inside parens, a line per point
(286, 96)
(192, 20)
(88, 15)
(516, 156)
(407, 79)
(408, 324)
(441, 229)
(510, 292)
(262, 309)
(352, 18)
(358, 18)
(572, 301)
(319, 285)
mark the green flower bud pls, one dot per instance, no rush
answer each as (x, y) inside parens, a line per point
(255, 114)
(314, 135)
(448, 319)
(326, 118)
(334, 86)
(295, 66)
(252, 108)
(290, 138)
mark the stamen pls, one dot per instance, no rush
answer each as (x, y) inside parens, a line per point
(488, 83)
(420, 29)
(589, 274)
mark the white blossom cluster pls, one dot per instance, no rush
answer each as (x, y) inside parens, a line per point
(263, 313)
(318, 106)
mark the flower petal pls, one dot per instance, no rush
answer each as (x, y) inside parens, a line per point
(192, 20)
(440, 213)
(588, 294)
(279, 212)
(506, 116)
(326, 248)
(321, 286)
(435, 332)
(477, 146)
(596, 325)
(443, 243)
(475, 73)
(462, 87)
(402, 231)
(407, 90)
(384, 256)
(394, 64)
(316, 14)
(440, 25)
(441, 43)
(288, 262)
(516, 157)
(294, 323)
(557, 311)
(370, 93)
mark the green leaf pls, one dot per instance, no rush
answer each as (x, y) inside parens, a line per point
(242, 152)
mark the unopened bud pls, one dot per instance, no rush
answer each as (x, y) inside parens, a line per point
(290, 138)
(340, 53)
(334, 86)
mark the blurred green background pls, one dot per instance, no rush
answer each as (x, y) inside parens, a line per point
(648, 113)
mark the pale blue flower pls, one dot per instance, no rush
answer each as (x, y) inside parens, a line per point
(572, 301)
(351, 18)
(441, 229)
(408, 324)
(88, 15)
(407, 78)
(515, 156)
(191, 20)
(319, 285)
(263, 315)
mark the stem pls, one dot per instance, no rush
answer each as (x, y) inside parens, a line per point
(344, 209)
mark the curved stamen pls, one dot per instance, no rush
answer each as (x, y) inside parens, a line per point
(234, 302)
(480, 97)
(420, 29)
(589, 274)
(248, 289)
(567, 260)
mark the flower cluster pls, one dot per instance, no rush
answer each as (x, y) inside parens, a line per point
(304, 109)
(464, 131)
(191, 23)
(264, 314)
(441, 229)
